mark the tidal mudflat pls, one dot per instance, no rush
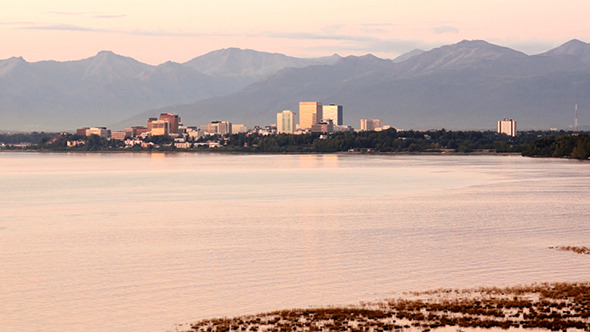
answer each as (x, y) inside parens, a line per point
(555, 307)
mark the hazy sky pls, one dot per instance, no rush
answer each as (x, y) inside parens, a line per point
(179, 30)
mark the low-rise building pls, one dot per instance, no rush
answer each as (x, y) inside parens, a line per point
(82, 131)
(238, 128)
(371, 124)
(219, 128)
(119, 135)
(136, 131)
(99, 131)
(323, 127)
(71, 144)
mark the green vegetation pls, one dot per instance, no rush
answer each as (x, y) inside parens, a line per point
(577, 147)
(529, 143)
(87, 143)
(18, 138)
(382, 141)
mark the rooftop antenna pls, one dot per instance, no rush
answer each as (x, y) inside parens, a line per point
(576, 116)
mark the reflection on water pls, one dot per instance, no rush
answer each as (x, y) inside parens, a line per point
(159, 155)
(316, 161)
(143, 241)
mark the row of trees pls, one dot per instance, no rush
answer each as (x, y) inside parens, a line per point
(383, 141)
(530, 143)
(18, 138)
(577, 146)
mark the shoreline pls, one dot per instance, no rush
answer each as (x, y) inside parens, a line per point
(535, 307)
(428, 153)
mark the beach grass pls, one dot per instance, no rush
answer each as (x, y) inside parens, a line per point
(539, 307)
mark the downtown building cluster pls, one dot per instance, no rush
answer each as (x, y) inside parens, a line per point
(313, 118)
(167, 124)
(317, 118)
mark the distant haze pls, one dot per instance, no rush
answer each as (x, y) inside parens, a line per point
(468, 85)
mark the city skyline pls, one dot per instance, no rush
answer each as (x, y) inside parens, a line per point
(154, 32)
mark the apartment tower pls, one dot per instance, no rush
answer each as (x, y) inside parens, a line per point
(507, 126)
(286, 122)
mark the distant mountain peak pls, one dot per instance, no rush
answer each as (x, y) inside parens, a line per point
(108, 55)
(10, 64)
(460, 55)
(236, 62)
(466, 42)
(485, 48)
(575, 42)
(361, 60)
(170, 64)
(17, 59)
(105, 53)
(574, 48)
(106, 65)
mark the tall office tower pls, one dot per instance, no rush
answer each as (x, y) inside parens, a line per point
(173, 119)
(332, 112)
(507, 126)
(310, 113)
(286, 122)
(371, 124)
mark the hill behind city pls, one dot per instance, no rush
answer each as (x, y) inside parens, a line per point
(468, 85)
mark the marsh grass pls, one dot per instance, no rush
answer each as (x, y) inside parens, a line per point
(548, 306)
(577, 250)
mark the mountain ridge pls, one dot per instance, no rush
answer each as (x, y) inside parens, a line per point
(250, 86)
(467, 89)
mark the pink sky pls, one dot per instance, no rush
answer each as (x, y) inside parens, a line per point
(179, 30)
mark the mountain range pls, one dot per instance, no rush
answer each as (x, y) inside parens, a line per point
(468, 85)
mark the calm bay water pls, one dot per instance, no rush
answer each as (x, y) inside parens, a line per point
(139, 242)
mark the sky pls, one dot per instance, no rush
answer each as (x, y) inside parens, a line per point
(154, 32)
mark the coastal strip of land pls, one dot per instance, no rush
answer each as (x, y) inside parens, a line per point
(531, 143)
(536, 307)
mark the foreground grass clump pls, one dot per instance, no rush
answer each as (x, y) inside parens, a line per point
(554, 307)
(577, 250)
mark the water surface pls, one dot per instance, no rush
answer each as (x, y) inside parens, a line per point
(139, 242)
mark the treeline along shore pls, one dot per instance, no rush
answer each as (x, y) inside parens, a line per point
(559, 144)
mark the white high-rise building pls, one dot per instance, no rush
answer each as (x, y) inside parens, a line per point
(332, 112)
(507, 126)
(286, 122)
